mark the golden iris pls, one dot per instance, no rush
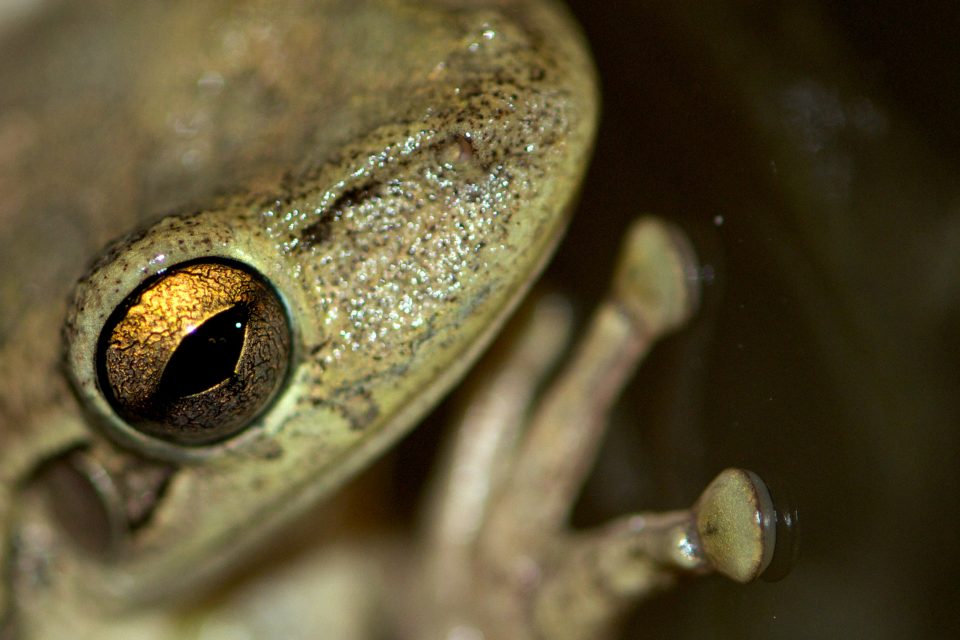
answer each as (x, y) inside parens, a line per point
(196, 353)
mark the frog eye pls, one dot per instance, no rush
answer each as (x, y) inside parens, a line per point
(194, 354)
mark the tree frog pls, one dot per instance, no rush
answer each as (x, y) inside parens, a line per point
(248, 245)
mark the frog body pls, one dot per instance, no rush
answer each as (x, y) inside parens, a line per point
(397, 171)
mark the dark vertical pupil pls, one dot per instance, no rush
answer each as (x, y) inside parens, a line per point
(206, 357)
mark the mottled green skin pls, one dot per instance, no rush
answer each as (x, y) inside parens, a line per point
(399, 172)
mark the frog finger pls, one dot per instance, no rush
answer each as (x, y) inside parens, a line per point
(651, 296)
(479, 456)
(735, 529)
(742, 531)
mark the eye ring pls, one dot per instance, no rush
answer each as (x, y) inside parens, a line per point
(195, 354)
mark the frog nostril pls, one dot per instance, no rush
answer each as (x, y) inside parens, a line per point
(195, 354)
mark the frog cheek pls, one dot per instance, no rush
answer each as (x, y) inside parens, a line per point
(194, 355)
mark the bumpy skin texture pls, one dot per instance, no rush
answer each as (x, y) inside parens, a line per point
(399, 171)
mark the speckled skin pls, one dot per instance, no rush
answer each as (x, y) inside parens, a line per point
(399, 171)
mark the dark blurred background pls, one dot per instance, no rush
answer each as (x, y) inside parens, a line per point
(810, 149)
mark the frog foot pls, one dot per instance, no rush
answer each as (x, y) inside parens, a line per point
(501, 562)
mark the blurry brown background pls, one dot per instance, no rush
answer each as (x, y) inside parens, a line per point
(811, 150)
